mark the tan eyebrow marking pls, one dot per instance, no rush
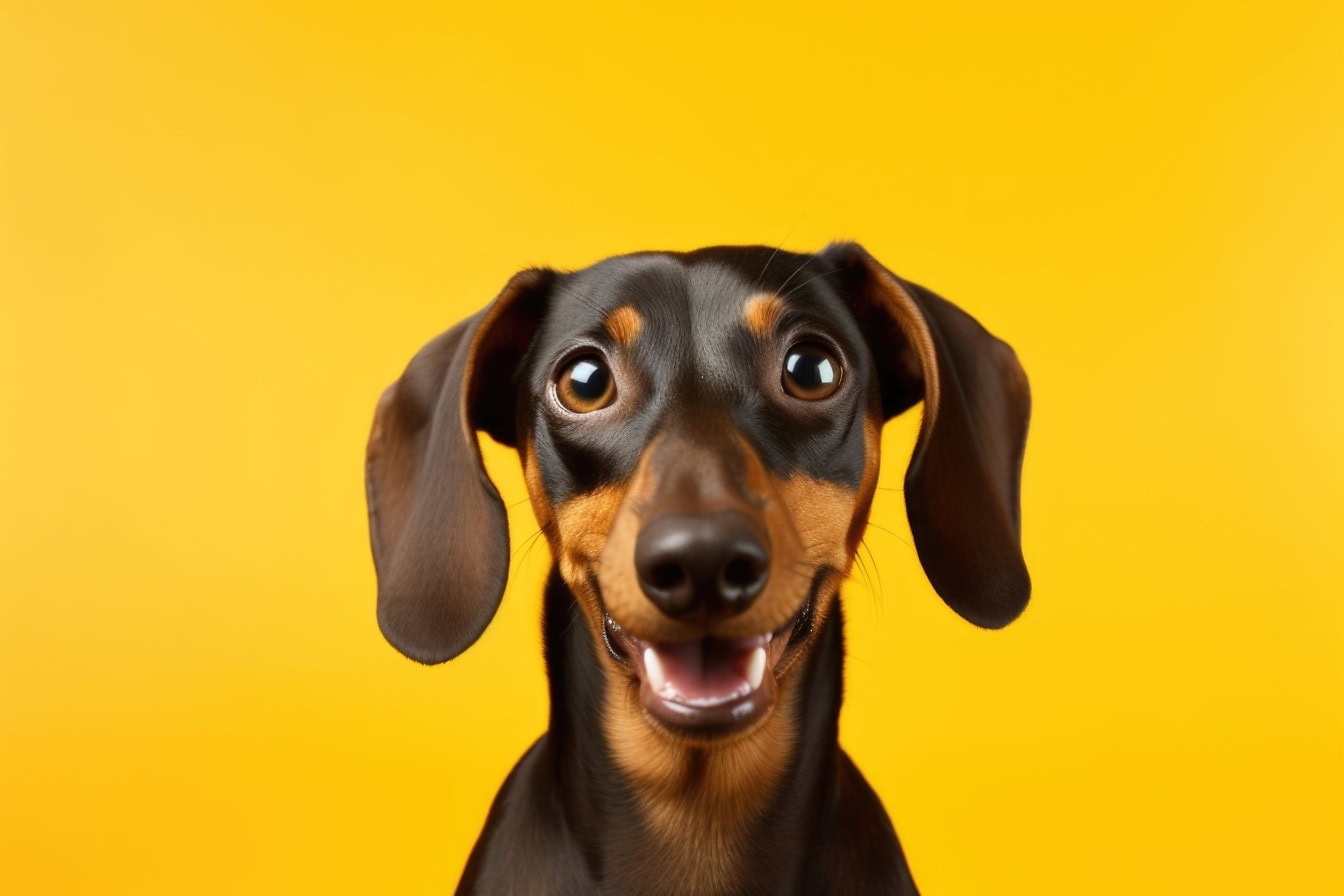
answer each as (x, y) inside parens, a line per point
(762, 312)
(624, 324)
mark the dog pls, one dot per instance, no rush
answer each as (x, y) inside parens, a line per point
(699, 434)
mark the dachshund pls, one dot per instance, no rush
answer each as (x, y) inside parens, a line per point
(699, 435)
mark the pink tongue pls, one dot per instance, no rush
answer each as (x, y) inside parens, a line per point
(704, 669)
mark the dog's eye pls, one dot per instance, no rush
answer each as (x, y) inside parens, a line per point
(811, 373)
(586, 384)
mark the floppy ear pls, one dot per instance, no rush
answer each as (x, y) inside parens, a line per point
(439, 531)
(962, 486)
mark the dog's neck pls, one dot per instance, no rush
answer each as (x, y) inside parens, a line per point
(637, 800)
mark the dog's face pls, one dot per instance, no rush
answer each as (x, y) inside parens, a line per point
(699, 434)
(700, 445)
(700, 441)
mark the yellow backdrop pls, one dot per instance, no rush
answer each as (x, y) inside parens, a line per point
(225, 227)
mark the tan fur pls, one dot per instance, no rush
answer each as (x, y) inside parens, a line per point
(624, 324)
(821, 512)
(761, 313)
(576, 532)
(582, 524)
(541, 507)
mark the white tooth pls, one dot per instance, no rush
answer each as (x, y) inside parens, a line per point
(653, 668)
(756, 668)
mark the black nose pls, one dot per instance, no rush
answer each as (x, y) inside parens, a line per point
(712, 564)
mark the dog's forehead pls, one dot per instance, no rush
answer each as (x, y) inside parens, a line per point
(694, 305)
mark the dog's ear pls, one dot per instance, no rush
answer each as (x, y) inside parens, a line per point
(962, 486)
(439, 531)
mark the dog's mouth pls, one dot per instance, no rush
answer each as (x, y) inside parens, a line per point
(710, 687)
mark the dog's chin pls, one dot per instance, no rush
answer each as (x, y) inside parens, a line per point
(710, 688)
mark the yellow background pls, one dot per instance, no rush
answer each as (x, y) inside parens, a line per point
(225, 227)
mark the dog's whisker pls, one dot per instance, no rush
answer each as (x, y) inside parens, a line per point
(760, 278)
(526, 540)
(527, 545)
(863, 571)
(788, 279)
(807, 281)
(877, 568)
(801, 216)
(586, 300)
(877, 571)
(894, 535)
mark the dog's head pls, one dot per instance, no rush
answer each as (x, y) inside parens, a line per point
(700, 438)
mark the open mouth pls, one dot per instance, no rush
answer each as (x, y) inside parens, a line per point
(709, 687)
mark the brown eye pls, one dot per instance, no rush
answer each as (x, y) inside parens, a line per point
(810, 372)
(586, 384)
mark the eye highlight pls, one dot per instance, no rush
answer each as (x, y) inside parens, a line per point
(586, 384)
(811, 373)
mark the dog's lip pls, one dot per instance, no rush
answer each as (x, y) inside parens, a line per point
(709, 686)
(797, 628)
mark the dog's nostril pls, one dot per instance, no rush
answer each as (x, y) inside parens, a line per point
(666, 576)
(742, 573)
